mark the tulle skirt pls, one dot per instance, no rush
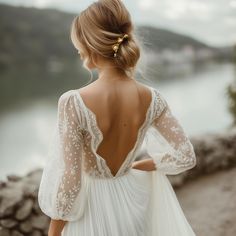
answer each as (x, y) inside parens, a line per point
(139, 203)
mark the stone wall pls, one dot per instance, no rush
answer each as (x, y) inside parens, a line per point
(20, 213)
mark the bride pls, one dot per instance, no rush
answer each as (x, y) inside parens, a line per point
(93, 184)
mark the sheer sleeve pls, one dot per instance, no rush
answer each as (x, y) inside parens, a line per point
(61, 179)
(179, 155)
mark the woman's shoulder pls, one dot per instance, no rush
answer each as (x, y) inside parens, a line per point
(67, 98)
(66, 94)
(159, 100)
(157, 94)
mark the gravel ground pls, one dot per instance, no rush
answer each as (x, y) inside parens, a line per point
(209, 203)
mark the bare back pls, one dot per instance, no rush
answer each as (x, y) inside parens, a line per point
(120, 109)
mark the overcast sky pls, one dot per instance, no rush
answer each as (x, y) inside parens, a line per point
(212, 21)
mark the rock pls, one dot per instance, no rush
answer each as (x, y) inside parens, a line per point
(9, 211)
(37, 209)
(36, 233)
(2, 184)
(25, 210)
(8, 223)
(40, 222)
(13, 177)
(4, 232)
(45, 231)
(35, 174)
(19, 209)
(177, 180)
(26, 226)
(16, 233)
(10, 197)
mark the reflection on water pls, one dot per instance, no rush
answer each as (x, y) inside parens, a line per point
(24, 137)
(198, 100)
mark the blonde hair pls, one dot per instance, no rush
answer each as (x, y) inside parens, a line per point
(97, 28)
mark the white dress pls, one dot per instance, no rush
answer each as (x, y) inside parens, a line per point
(77, 185)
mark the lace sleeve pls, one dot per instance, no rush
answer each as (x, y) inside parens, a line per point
(61, 180)
(179, 154)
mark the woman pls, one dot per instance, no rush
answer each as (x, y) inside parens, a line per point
(92, 185)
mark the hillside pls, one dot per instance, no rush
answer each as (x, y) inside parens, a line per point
(40, 34)
(28, 34)
(157, 39)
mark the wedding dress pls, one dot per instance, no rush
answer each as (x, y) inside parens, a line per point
(78, 186)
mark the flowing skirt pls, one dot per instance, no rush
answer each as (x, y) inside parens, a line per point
(139, 203)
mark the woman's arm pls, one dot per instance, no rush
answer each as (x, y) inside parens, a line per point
(56, 227)
(60, 187)
(146, 165)
(179, 154)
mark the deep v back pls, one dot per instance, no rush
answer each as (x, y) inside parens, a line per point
(114, 164)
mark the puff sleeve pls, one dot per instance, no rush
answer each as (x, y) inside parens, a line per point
(60, 193)
(178, 153)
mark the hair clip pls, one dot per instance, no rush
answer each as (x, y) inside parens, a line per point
(115, 47)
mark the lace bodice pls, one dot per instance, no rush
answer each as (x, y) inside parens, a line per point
(73, 154)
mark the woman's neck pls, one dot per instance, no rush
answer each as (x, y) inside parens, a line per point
(111, 74)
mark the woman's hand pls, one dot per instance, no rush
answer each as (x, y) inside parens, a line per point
(52, 234)
(145, 164)
(56, 227)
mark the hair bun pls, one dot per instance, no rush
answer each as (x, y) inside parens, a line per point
(97, 31)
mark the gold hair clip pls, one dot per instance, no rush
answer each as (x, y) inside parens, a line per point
(115, 47)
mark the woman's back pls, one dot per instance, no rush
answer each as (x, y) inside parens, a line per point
(120, 109)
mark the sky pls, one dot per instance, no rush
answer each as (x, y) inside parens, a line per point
(211, 21)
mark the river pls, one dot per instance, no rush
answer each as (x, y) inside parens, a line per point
(199, 101)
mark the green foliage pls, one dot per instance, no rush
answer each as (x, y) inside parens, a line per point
(231, 91)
